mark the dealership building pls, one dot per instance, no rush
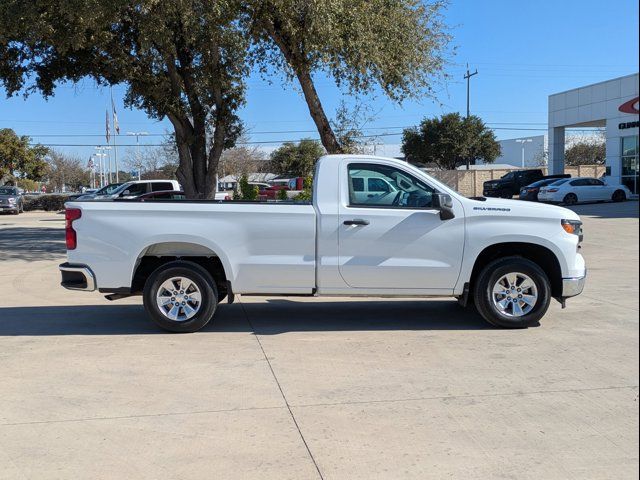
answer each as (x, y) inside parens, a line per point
(612, 105)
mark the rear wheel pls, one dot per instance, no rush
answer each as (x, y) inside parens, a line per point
(619, 196)
(570, 199)
(512, 292)
(180, 296)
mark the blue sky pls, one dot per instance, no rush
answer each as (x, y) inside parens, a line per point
(523, 51)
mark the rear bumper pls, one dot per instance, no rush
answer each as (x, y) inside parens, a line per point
(77, 277)
(573, 286)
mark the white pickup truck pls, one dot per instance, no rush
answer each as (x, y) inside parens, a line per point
(376, 227)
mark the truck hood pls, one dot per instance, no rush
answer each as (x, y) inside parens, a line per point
(519, 208)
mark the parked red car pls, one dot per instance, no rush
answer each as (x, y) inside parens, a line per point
(271, 193)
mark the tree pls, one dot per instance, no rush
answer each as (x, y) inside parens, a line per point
(586, 151)
(348, 124)
(450, 141)
(20, 160)
(63, 171)
(242, 160)
(397, 47)
(296, 160)
(154, 163)
(182, 59)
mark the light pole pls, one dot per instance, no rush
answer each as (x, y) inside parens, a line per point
(138, 135)
(102, 149)
(101, 168)
(523, 141)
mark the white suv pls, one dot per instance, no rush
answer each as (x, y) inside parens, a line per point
(136, 188)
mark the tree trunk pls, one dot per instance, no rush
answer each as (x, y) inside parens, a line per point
(327, 137)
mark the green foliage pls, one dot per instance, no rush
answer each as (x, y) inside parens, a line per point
(398, 47)
(248, 192)
(49, 203)
(586, 152)
(307, 193)
(185, 60)
(28, 185)
(282, 195)
(296, 160)
(449, 141)
(18, 158)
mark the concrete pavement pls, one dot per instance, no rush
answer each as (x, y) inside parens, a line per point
(308, 388)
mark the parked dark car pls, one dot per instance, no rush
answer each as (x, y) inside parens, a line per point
(511, 183)
(11, 200)
(530, 192)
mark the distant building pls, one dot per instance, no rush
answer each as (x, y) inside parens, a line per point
(612, 105)
(534, 148)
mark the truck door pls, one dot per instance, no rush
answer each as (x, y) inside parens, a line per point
(395, 241)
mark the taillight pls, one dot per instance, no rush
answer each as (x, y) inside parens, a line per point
(71, 214)
(551, 190)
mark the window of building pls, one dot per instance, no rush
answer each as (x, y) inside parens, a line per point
(630, 162)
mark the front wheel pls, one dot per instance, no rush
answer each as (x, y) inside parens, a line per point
(180, 296)
(512, 292)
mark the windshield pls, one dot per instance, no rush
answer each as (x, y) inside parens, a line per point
(109, 189)
(542, 183)
(560, 182)
(8, 191)
(508, 176)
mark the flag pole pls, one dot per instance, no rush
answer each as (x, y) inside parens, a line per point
(116, 131)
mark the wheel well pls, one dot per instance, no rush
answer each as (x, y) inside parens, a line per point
(148, 264)
(538, 254)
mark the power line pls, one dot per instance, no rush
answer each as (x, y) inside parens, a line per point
(269, 142)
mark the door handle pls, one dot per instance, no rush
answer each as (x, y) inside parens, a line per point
(357, 221)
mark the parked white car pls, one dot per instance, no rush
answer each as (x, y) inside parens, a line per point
(570, 191)
(132, 189)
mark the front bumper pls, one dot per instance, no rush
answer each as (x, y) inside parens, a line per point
(573, 286)
(77, 277)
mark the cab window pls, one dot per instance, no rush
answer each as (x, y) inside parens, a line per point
(386, 187)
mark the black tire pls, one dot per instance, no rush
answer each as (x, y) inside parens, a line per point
(506, 194)
(483, 292)
(619, 196)
(570, 199)
(203, 281)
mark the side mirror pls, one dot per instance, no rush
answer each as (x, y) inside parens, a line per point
(126, 193)
(444, 203)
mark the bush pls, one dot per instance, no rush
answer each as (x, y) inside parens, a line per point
(282, 195)
(48, 203)
(307, 194)
(247, 191)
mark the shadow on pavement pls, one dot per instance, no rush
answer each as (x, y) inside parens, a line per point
(270, 318)
(31, 244)
(608, 210)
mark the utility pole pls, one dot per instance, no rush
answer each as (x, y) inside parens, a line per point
(467, 77)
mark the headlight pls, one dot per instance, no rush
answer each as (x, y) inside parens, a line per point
(12, 200)
(573, 226)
